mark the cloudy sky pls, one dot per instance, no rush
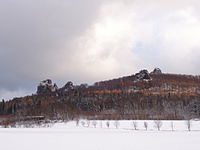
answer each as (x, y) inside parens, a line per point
(90, 40)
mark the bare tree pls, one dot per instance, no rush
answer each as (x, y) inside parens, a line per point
(83, 123)
(158, 124)
(77, 122)
(172, 126)
(94, 123)
(116, 124)
(107, 124)
(101, 125)
(188, 124)
(135, 125)
(88, 123)
(146, 125)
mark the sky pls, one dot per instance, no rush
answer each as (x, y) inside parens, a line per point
(85, 41)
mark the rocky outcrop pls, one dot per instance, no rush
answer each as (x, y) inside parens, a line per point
(156, 71)
(46, 87)
(142, 75)
(68, 86)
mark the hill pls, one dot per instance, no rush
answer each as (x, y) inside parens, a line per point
(143, 95)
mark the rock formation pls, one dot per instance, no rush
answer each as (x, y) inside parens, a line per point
(142, 75)
(68, 86)
(156, 71)
(46, 87)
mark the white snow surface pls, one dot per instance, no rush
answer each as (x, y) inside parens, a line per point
(68, 136)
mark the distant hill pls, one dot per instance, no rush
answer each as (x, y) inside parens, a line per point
(143, 95)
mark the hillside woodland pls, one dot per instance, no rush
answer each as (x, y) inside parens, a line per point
(144, 95)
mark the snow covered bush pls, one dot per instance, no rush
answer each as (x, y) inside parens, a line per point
(158, 124)
(94, 123)
(135, 125)
(116, 124)
(188, 124)
(146, 125)
(107, 124)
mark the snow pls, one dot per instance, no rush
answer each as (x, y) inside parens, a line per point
(68, 136)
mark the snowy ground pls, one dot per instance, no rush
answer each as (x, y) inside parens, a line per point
(67, 136)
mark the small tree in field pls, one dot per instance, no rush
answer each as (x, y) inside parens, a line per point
(146, 125)
(116, 124)
(101, 125)
(83, 123)
(107, 124)
(88, 123)
(172, 126)
(77, 122)
(158, 124)
(94, 123)
(188, 124)
(135, 125)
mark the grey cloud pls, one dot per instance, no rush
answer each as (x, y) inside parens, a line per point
(35, 34)
(88, 40)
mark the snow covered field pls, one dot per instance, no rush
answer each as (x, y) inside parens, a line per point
(67, 136)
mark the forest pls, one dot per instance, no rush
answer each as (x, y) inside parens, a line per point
(143, 95)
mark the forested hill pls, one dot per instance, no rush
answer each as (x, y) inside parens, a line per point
(144, 95)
